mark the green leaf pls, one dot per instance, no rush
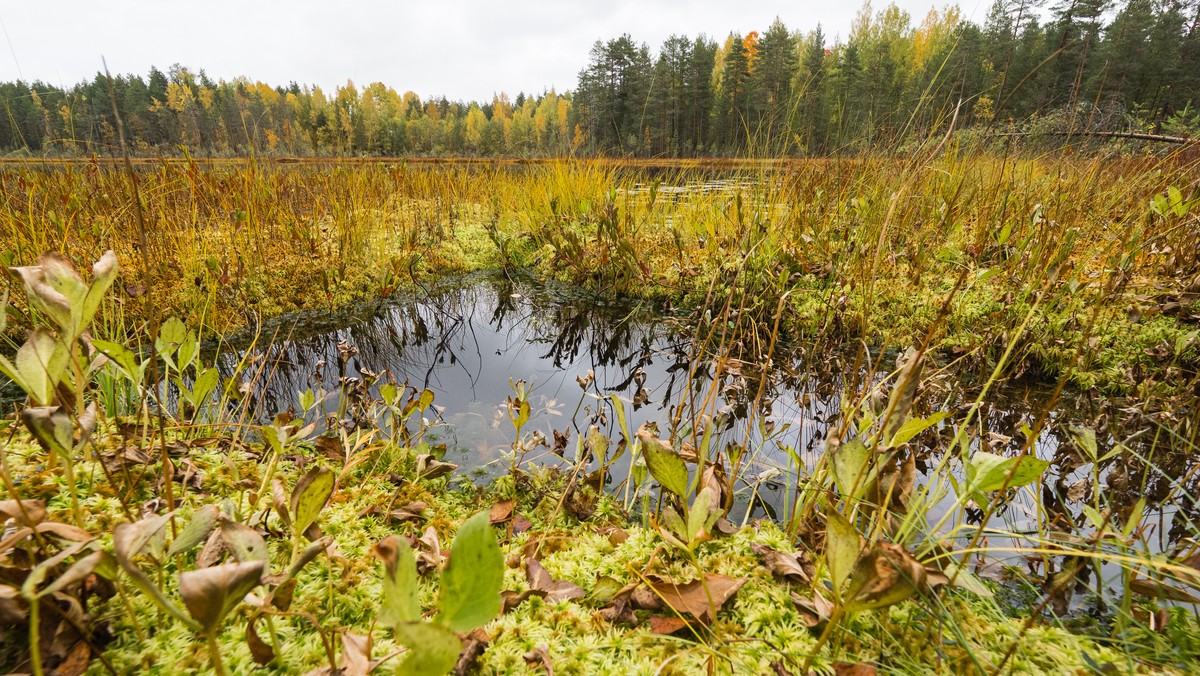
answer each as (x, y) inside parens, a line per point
(697, 523)
(426, 400)
(470, 595)
(915, 426)
(849, 464)
(309, 497)
(104, 273)
(196, 530)
(51, 426)
(4, 311)
(842, 545)
(171, 335)
(204, 385)
(1085, 439)
(400, 603)
(124, 358)
(245, 543)
(433, 649)
(40, 364)
(665, 465)
(188, 350)
(988, 471)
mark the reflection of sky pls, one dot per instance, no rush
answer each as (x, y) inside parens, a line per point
(466, 341)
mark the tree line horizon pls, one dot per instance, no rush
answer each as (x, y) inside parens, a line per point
(1093, 65)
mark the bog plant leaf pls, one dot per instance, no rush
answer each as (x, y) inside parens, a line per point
(39, 366)
(665, 465)
(210, 593)
(196, 530)
(309, 497)
(244, 543)
(433, 648)
(849, 463)
(470, 595)
(400, 603)
(988, 471)
(842, 545)
(51, 426)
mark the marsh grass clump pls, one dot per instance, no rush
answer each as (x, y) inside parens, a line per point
(171, 522)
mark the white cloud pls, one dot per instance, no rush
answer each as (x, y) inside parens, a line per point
(463, 49)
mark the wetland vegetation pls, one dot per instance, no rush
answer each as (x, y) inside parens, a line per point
(928, 408)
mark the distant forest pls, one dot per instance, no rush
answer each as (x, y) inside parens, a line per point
(1069, 66)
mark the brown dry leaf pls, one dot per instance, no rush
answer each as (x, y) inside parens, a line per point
(1079, 489)
(474, 644)
(580, 503)
(13, 609)
(356, 655)
(76, 661)
(213, 550)
(429, 552)
(521, 524)
(511, 599)
(24, 512)
(260, 651)
(885, 574)
(540, 657)
(699, 599)
(618, 611)
(413, 511)
(1155, 620)
(331, 447)
(616, 536)
(796, 567)
(853, 669)
(543, 544)
(813, 611)
(724, 527)
(667, 625)
(65, 531)
(502, 511)
(1159, 590)
(556, 590)
(429, 467)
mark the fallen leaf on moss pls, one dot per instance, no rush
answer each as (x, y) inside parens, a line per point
(796, 567)
(556, 590)
(700, 599)
(539, 657)
(502, 511)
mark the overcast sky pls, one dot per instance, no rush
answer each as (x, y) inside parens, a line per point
(462, 49)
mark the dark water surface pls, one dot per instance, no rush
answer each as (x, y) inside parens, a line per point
(467, 339)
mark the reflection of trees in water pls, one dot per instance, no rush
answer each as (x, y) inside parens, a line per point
(467, 329)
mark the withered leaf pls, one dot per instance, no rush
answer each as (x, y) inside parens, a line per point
(474, 644)
(797, 568)
(813, 611)
(667, 625)
(502, 511)
(76, 661)
(853, 669)
(24, 512)
(65, 531)
(556, 590)
(539, 657)
(1160, 590)
(429, 467)
(261, 652)
(210, 593)
(511, 599)
(330, 447)
(618, 611)
(696, 598)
